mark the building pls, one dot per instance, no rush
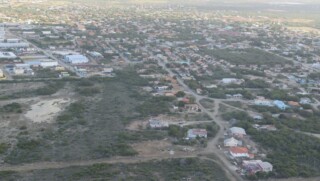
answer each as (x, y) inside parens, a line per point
(48, 63)
(192, 108)
(262, 102)
(293, 104)
(305, 100)
(237, 132)
(239, 152)
(194, 133)
(280, 104)
(232, 142)
(1, 73)
(251, 167)
(266, 166)
(14, 45)
(231, 81)
(155, 123)
(7, 55)
(76, 59)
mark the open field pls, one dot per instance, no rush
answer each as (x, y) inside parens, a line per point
(165, 170)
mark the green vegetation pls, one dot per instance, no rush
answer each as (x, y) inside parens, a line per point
(180, 94)
(3, 148)
(12, 108)
(155, 106)
(292, 154)
(51, 88)
(247, 57)
(311, 125)
(239, 115)
(172, 169)
(257, 83)
(94, 127)
(279, 95)
(74, 111)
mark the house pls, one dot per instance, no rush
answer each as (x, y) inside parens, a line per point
(280, 104)
(232, 142)
(251, 167)
(231, 81)
(257, 117)
(237, 132)
(155, 123)
(192, 108)
(261, 101)
(266, 166)
(305, 100)
(293, 104)
(238, 152)
(234, 96)
(194, 133)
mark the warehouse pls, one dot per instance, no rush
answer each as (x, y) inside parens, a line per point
(76, 59)
(14, 45)
(7, 55)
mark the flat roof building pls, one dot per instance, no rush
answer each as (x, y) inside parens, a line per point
(76, 59)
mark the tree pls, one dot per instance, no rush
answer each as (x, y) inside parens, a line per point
(180, 94)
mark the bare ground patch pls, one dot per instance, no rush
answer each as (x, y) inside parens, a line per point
(46, 110)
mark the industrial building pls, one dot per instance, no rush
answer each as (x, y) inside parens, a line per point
(7, 55)
(45, 63)
(76, 59)
(14, 45)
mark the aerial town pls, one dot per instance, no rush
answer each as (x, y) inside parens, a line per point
(113, 92)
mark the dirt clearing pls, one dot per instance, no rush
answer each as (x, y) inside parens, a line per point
(46, 110)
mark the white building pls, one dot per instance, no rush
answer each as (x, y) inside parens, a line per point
(305, 100)
(237, 132)
(18, 70)
(231, 142)
(155, 123)
(48, 63)
(194, 133)
(231, 81)
(266, 166)
(263, 102)
(76, 59)
(14, 45)
(7, 55)
(1, 73)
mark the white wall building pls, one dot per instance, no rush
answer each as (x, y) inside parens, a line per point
(76, 59)
(7, 55)
(231, 142)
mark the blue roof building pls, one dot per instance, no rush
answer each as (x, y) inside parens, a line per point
(280, 104)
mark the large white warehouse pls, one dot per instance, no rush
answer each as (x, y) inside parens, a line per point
(76, 59)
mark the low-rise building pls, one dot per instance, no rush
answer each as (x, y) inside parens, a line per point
(251, 167)
(76, 59)
(7, 55)
(155, 123)
(232, 142)
(305, 100)
(194, 133)
(280, 104)
(239, 152)
(237, 132)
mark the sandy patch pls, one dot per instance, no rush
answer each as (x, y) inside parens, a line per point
(46, 110)
(160, 148)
